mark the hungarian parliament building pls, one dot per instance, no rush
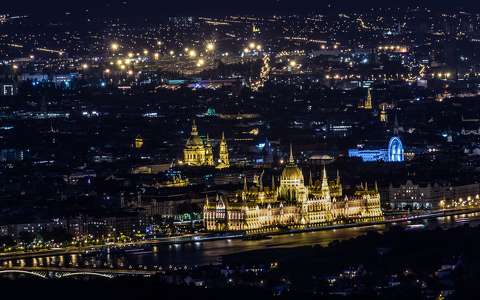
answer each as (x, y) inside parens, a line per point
(292, 204)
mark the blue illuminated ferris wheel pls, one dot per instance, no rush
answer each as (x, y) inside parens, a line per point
(395, 150)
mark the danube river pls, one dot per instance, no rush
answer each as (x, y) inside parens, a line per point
(211, 252)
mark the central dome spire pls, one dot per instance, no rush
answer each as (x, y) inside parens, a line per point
(291, 160)
(291, 171)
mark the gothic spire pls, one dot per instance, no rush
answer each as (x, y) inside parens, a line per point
(291, 159)
(260, 181)
(368, 101)
(325, 188)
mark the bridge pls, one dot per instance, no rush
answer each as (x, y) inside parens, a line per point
(58, 273)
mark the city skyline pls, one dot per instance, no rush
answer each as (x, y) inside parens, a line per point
(273, 149)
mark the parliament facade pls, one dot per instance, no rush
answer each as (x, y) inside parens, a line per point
(291, 204)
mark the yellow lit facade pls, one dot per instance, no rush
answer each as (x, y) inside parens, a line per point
(368, 101)
(138, 142)
(383, 114)
(176, 181)
(223, 160)
(198, 153)
(291, 204)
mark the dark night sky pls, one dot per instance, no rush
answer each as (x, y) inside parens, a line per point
(184, 7)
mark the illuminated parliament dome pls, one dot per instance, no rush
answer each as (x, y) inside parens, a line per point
(291, 173)
(292, 187)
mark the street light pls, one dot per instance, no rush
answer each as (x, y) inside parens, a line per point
(210, 46)
(192, 53)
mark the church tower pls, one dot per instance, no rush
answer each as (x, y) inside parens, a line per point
(208, 152)
(223, 160)
(368, 101)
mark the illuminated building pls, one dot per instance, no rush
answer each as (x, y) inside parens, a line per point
(393, 153)
(383, 114)
(291, 204)
(368, 101)
(194, 152)
(7, 89)
(208, 152)
(432, 195)
(223, 160)
(176, 181)
(138, 142)
(198, 153)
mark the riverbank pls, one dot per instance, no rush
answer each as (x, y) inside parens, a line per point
(210, 237)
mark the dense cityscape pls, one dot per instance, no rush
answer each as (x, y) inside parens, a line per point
(331, 153)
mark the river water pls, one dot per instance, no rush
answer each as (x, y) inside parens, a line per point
(210, 252)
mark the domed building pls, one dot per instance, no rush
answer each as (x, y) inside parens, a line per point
(291, 205)
(194, 152)
(198, 153)
(292, 186)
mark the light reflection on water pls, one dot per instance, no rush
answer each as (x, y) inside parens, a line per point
(200, 253)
